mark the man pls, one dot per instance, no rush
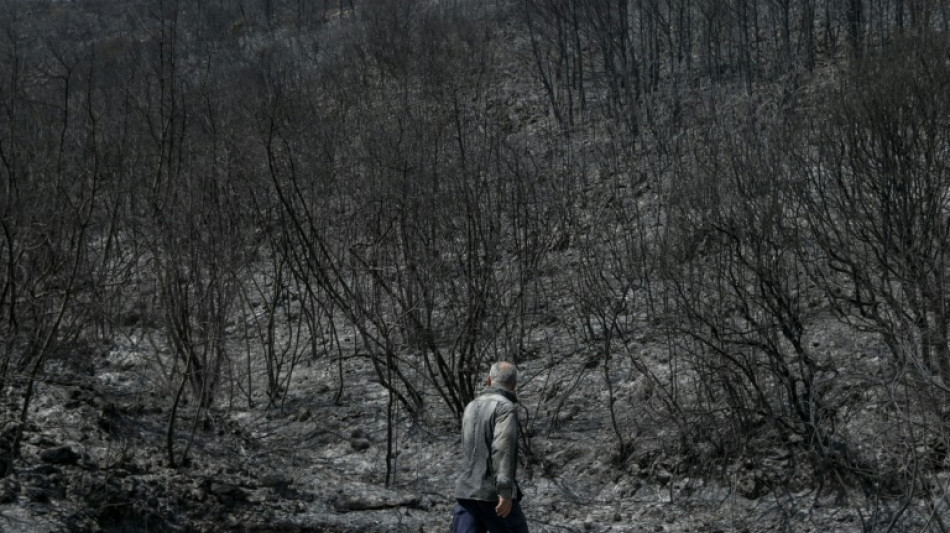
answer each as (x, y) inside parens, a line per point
(487, 492)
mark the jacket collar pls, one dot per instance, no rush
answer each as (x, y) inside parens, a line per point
(509, 395)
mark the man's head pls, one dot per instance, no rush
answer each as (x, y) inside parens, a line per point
(503, 374)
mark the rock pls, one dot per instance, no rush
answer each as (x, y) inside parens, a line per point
(46, 470)
(107, 417)
(259, 496)
(276, 481)
(62, 455)
(228, 491)
(372, 500)
(105, 424)
(8, 491)
(37, 495)
(359, 440)
(752, 486)
(7, 437)
(43, 441)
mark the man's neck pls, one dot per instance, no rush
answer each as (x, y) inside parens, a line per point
(504, 391)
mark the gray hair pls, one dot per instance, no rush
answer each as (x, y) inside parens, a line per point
(503, 373)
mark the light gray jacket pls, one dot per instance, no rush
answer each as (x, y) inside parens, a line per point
(489, 447)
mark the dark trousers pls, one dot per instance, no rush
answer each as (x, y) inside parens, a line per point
(473, 516)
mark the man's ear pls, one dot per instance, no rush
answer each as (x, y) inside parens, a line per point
(488, 381)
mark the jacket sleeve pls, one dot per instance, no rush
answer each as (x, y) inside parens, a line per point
(504, 450)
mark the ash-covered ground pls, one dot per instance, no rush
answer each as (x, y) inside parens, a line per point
(94, 458)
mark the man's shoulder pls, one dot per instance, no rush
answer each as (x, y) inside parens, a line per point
(496, 397)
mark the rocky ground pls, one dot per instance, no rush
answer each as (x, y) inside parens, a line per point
(94, 460)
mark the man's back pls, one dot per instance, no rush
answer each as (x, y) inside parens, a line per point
(489, 447)
(486, 489)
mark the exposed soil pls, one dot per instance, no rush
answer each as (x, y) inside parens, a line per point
(94, 460)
